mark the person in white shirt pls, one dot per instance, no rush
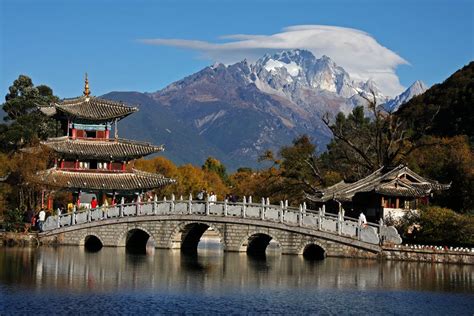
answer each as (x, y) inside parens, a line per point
(41, 219)
(212, 197)
(362, 220)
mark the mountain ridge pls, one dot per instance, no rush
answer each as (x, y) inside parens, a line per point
(243, 109)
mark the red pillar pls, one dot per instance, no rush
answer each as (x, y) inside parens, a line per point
(50, 201)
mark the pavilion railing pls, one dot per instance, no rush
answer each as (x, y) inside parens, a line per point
(264, 211)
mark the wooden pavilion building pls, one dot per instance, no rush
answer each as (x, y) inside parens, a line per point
(386, 193)
(88, 159)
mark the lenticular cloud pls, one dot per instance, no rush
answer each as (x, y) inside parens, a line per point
(356, 51)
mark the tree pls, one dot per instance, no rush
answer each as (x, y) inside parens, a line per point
(450, 160)
(213, 165)
(364, 144)
(25, 124)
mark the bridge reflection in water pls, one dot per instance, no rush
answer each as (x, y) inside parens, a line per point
(212, 271)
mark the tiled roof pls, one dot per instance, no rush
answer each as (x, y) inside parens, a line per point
(89, 180)
(399, 181)
(113, 149)
(89, 109)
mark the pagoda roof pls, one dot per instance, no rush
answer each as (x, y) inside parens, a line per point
(106, 149)
(89, 109)
(103, 181)
(400, 181)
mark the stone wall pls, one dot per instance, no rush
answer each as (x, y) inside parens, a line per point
(424, 255)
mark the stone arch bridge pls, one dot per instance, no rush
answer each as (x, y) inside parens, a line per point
(241, 226)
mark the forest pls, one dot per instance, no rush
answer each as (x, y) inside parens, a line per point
(432, 134)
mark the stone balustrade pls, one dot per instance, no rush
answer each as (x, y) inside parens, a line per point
(336, 224)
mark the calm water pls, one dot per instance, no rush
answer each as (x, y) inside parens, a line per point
(68, 280)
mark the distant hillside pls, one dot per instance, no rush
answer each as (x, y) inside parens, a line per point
(156, 124)
(454, 99)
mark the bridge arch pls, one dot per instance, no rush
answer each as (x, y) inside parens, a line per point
(186, 236)
(255, 243)
(313, 250)
(91, 242)
(135, 239)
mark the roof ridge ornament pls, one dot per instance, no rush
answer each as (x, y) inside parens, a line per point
(86, 92)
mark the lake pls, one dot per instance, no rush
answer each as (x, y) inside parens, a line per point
(70, 280)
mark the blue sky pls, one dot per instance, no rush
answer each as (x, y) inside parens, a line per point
(56, 42)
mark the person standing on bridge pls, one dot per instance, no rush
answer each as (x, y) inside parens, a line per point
(201, 195)
(362, 220)
(93, 203)
(212, 197)
(41, 219)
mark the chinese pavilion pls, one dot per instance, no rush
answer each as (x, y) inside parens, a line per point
(87, 158)
(384, 193)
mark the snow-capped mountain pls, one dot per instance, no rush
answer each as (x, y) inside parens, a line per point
(293, 70)
(415, 89)
(246, 108)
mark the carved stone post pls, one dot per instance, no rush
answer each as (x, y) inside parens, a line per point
(320, 219)
(89, 217)
(300, 216)
(282, 211)
(172, 203)
(340, 219)
(262, 214)
(155, 205)
(122, 201)
(244, 207)
(207, 206)
(137, 211)
(73, 216)
(190, 204)
(225, 207)
(59, 221)
(250, 199)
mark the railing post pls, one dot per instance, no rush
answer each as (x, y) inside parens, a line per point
(320, 219)
(73, 216)
(340, 219)
(262, 214)
(359, 228)
(282, 210)
(137, 211)
(244, 207)
(225, 207)
(250, 200)
(300, 217)
(190, 204)
(181, 198)
(155, 205)
(89, 215)
(59, 221)
(122, 202)
(172, 203)
(207, 205)
(381, 225)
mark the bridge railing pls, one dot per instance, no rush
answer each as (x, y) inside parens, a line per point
(263, 211)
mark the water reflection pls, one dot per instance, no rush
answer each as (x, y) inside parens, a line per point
(212, 271)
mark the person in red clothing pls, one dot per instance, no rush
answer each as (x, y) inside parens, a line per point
(93, 203)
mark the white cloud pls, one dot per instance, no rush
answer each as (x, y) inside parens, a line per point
(356, 51)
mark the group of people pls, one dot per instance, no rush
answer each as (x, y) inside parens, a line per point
(36, 220)
(202, 195)
(212, 197)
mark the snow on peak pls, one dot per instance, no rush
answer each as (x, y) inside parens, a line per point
(417, 88)
(292, 68)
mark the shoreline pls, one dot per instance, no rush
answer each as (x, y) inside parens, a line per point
(400, 253)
